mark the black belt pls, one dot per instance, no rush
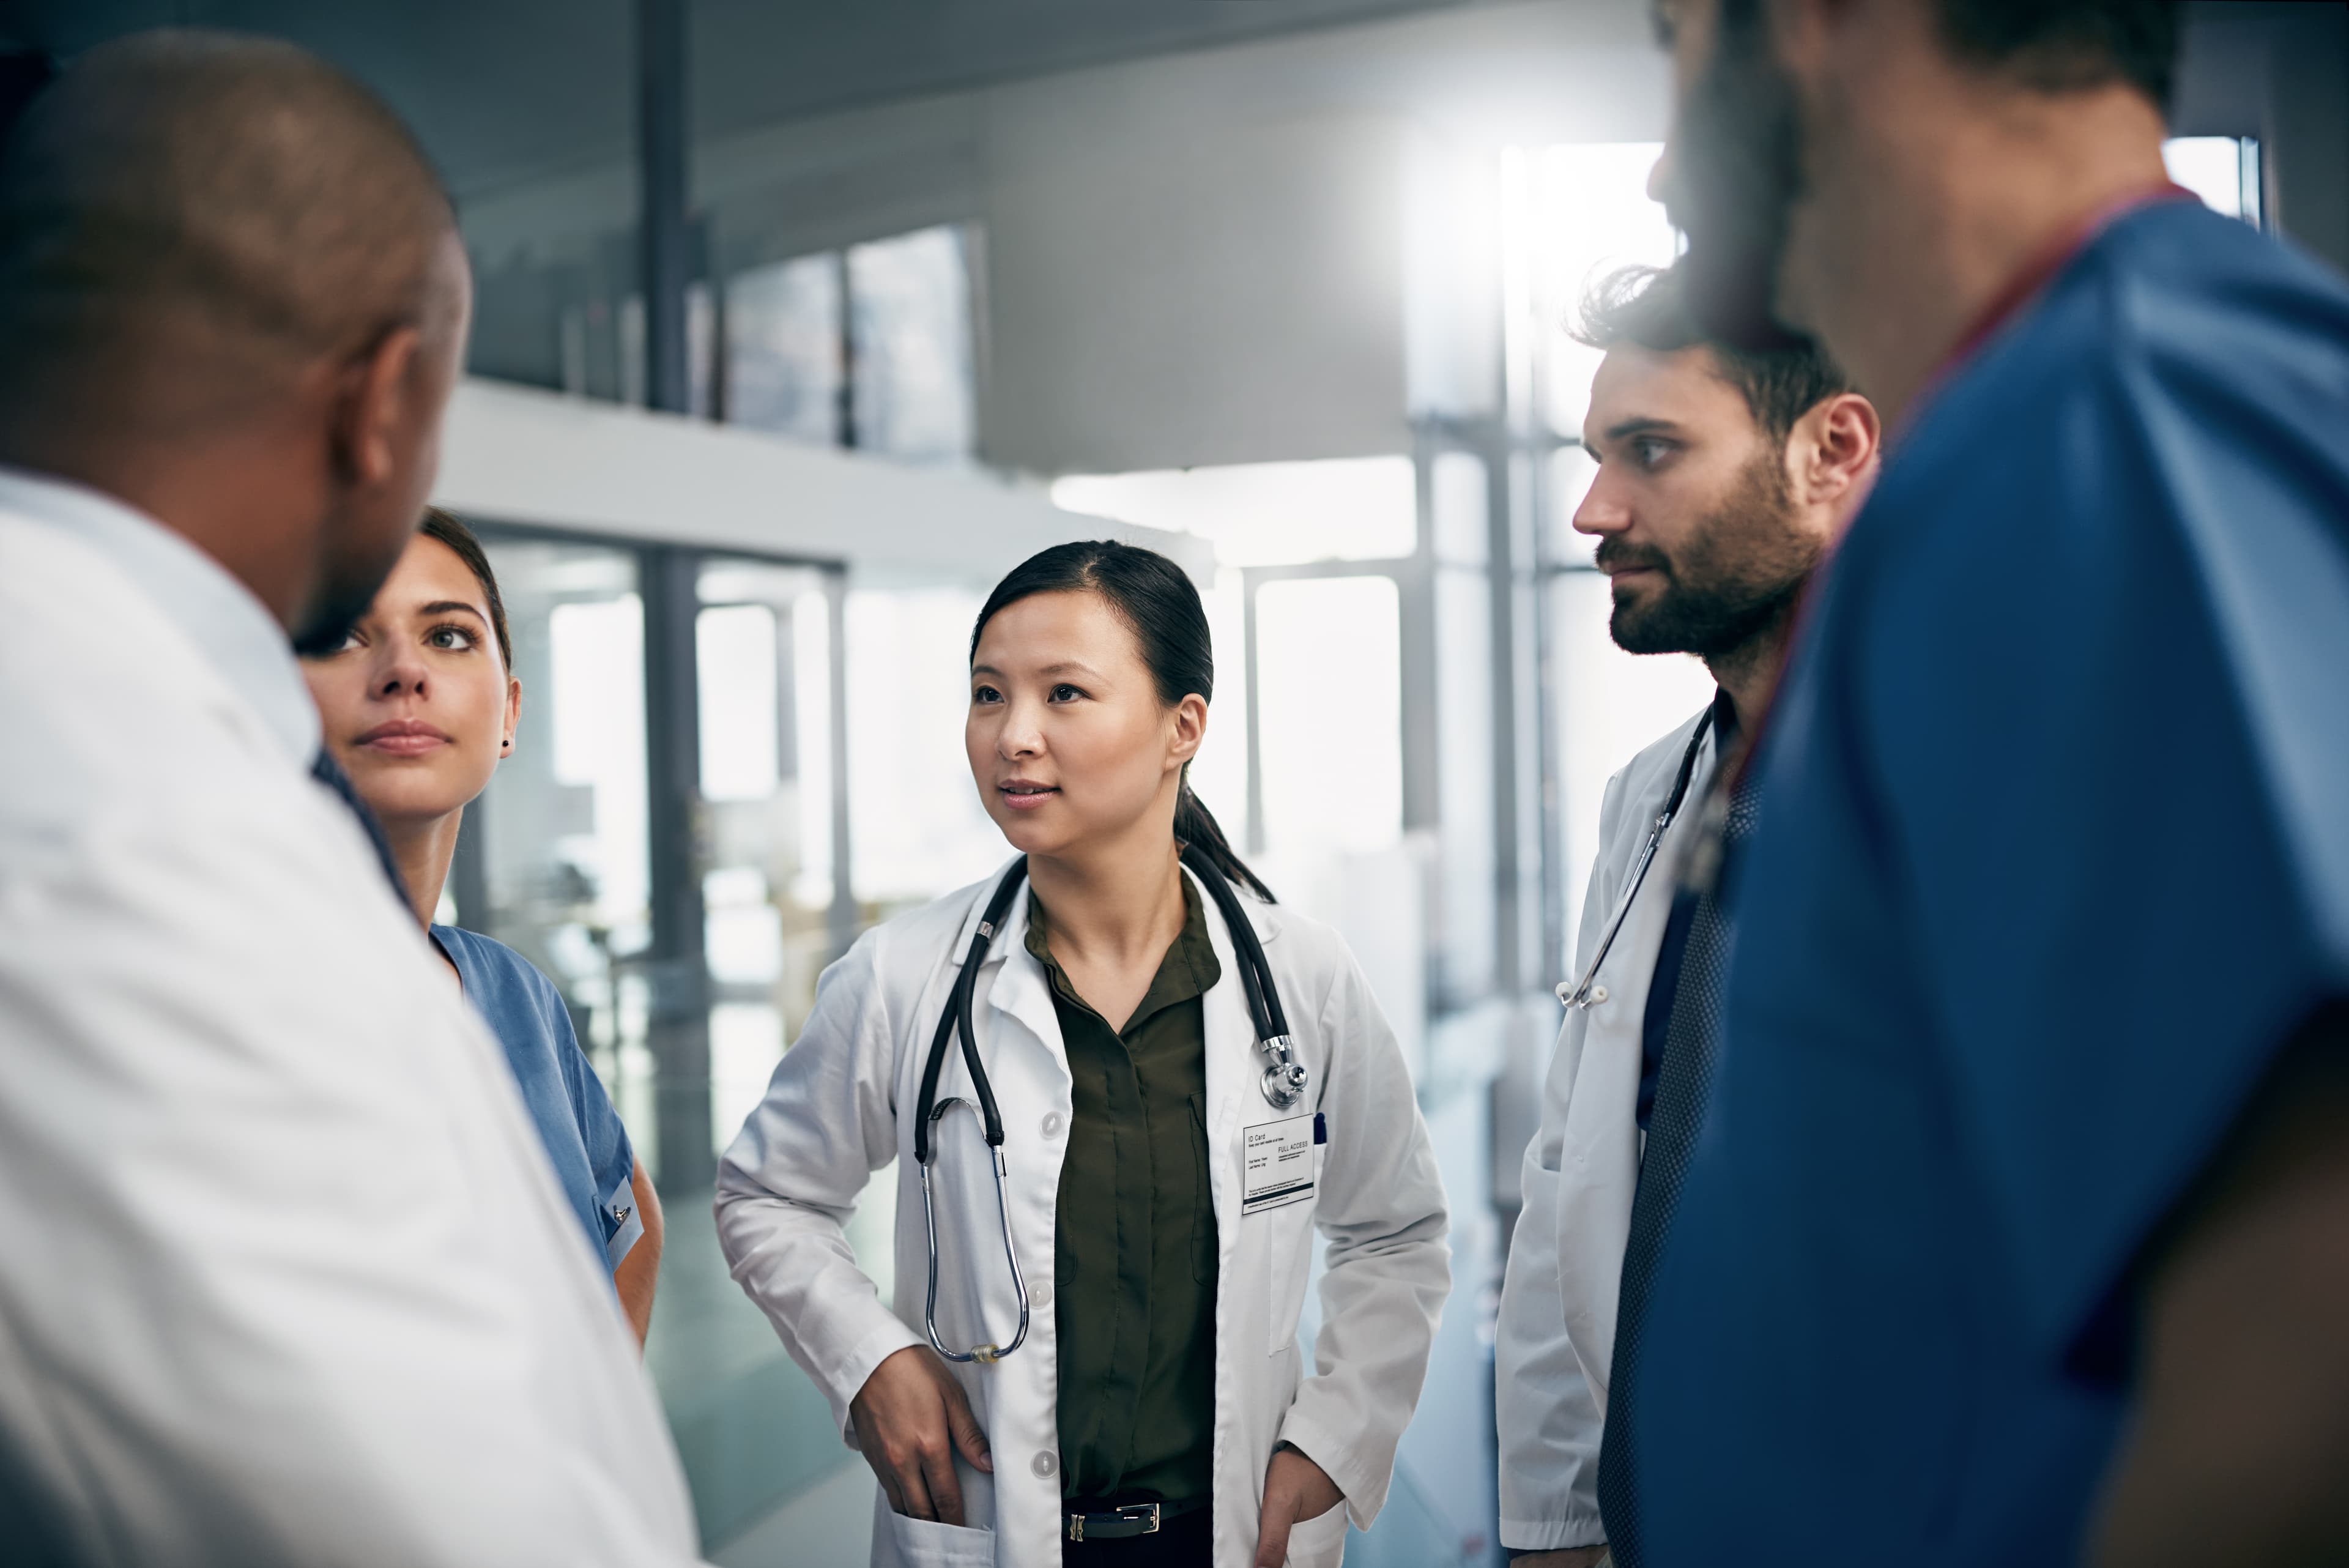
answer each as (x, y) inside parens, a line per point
(1119, 1522)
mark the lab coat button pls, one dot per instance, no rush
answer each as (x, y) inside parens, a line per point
(1040, 1293)
(1052, 1124)
(1046, 1465)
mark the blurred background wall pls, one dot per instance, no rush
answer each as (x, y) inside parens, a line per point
(799, 323)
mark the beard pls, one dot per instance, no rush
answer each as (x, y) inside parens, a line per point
(346, 589)
(1740, 173)
(1738, 575)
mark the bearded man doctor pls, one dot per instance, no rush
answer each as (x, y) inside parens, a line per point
(1724, 476)
(1093, 1353)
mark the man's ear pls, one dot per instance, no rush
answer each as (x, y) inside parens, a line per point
(377, 386)
(1839, 445)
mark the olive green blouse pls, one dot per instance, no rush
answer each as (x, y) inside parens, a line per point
(1135, 1251)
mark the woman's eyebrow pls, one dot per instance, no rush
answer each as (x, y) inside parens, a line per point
(1066, 667)
(442, 606)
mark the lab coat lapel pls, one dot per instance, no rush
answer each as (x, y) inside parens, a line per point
(1233, 1071)
(1016, 986)
(1602, 1138)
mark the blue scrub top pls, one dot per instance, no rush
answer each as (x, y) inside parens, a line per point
(583, 1135)
(2053, 858)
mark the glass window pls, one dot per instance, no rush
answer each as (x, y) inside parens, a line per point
(782, 348)
(1466, 937)
(2224, 171)
(765, 933)
(1611, 706)
(1266, 514)
(562, 826)
(1570, 474)
(1571, 214)
(909, 320)
(1328, 664)
(918, 827)
(1219, 770)
(1463, 521)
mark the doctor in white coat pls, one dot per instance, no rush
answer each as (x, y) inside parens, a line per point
(1724, 476)
(1158, 1409)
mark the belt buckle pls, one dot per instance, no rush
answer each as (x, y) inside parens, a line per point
(1134, 1519)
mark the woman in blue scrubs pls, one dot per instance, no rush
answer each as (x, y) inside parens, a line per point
(418, 706)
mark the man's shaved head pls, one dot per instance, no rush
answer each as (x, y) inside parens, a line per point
(232, 293)
(236, 193)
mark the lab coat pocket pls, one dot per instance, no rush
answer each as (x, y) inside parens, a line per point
(1284, 1240)
(1319, 1543)
(927, 1543)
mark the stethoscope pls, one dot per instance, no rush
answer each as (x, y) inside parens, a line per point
(1283, 1081)
(1580, 994)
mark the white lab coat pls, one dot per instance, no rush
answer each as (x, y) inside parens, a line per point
(832, 1116)
(288, 1278)
(1557, 1328)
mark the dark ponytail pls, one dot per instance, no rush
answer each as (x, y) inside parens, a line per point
(1156, 601)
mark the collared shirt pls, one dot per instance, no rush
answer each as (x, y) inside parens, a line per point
(1134, 1244)
(2055, 862)
(1655, 1023)
(219, 615)
(290, 1281)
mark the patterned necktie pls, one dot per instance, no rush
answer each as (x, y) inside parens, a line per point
(1684, 1084)
(327, 773)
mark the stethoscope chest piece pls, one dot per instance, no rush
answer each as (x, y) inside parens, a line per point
(1284, 1081)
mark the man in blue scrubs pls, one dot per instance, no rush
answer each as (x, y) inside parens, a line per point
(2019, 1227)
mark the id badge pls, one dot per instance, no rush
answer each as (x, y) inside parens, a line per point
(1279, 1163)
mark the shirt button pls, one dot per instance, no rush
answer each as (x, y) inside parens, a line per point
(1052, 1124)
(1045, 1465)
(1040, 1293)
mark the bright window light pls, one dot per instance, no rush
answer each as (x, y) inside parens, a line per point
(1266, 513)
(1610, 705)
(2221, 170)
(1570, 215)
(1330, 671)
(740, 709)
(919, 828)
(597, 703)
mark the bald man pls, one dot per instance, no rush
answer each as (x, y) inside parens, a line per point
(286, 1278)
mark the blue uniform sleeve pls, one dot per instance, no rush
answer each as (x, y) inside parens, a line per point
(610, 1158)
(2091, 737)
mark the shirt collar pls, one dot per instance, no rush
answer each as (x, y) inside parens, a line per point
(195, 593)
(1189, 968)
(1724, 721)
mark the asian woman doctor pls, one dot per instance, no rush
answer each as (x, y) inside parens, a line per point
(1118, 1282)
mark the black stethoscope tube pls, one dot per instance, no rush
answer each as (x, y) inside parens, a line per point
(1256, 979)
(1283, 1081)
(1582, 995)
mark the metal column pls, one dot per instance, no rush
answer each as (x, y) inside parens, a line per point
(664, 258)
(676, 965)
(841, 921)
(1501, 512)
